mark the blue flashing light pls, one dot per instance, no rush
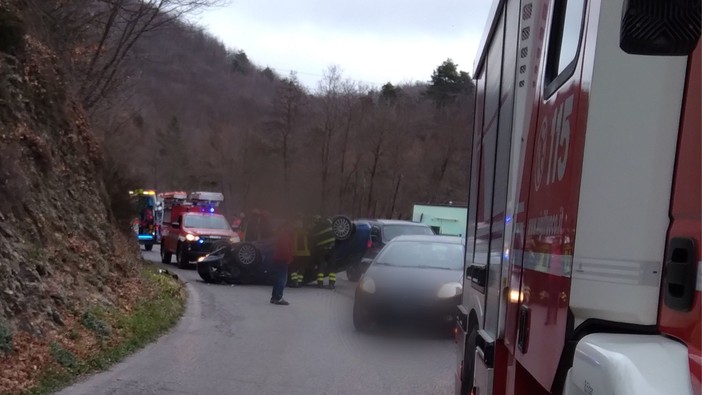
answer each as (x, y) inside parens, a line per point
(200, 241)
(509, 219)
(145, 237)
(212, 209)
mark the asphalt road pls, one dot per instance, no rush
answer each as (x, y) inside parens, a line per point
(231, 340)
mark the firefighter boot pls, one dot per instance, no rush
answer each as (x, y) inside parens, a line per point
(332, 284)
(332, 280)
(320, 280)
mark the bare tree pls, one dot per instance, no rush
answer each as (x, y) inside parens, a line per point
(329, 91)
(103, 33)
(287, 109)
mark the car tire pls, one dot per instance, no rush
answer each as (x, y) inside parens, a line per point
(247, 255)
(353, 275)
(360, 323)
(342, 227)
(166, 256)
(182, 258)
(148, 247)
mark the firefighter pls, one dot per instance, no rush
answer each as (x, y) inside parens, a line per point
(301, 254)
(323, 240)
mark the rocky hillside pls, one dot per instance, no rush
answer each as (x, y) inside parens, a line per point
(60, 251)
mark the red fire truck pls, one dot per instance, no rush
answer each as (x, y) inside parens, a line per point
(584, 223)
(192, 225)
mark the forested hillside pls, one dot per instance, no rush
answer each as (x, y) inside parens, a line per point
(192, 114)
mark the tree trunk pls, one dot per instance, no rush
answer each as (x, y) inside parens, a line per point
(376, 158)
(394, 196)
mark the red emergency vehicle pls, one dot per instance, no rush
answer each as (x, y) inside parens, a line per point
(584, 223)
(192, 224)
(146, 224)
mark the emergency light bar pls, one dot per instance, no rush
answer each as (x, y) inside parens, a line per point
(207, 197)
(149, 192)
(211, 199)
(174, 195)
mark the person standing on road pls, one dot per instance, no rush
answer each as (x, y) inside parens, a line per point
(282, 258)
(301, 254)
(323, 243)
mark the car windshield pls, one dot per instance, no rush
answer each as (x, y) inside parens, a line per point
(423, 254)
(392, 231)
(206, 222)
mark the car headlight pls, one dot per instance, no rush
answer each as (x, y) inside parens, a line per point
(367, 285)
(450, 290)
(234, 239)
(202, 258)
(191, 237)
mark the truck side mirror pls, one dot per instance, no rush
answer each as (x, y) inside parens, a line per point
(660, 27)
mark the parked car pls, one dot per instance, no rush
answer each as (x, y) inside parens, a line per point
(381, 232)
(414, 280)
(250, 262)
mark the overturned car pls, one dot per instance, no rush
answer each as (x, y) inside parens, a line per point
(251, 262)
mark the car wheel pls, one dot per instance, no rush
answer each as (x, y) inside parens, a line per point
(353, 275)
(148, 247)
(342, 227)
(182, 258)
(165, 255)
(360, 323)
(247, 255)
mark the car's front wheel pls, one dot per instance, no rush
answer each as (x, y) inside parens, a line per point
(361, 322)
(182, 258)
(353, 274)
(165, 255)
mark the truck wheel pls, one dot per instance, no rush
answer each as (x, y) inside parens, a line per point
(148, 247)
(469, 361)
(247, 255)
(165, 255)
(360, 323)
(182, 258)
(342, 227)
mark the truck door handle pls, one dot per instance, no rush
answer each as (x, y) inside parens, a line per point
(680, 274)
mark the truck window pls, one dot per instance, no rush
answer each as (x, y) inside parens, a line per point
(564, 41)
(205, 222)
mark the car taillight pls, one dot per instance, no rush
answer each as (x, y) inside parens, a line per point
(370, 243)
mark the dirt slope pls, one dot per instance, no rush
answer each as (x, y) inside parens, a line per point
(60, 252)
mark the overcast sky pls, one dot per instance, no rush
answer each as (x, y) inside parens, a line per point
(373, 41)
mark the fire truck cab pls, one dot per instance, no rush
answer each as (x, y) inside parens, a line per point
(192, 224)
(582, 271)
